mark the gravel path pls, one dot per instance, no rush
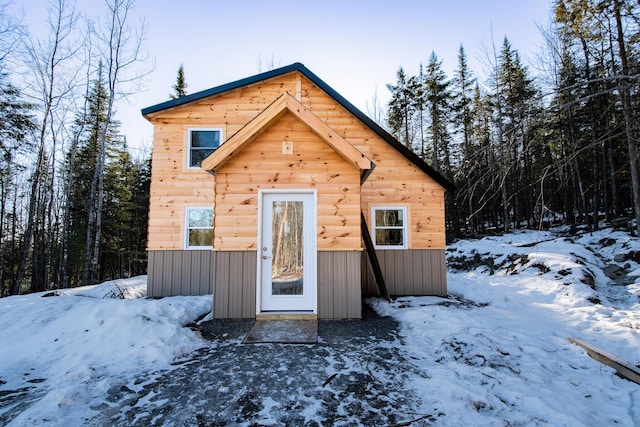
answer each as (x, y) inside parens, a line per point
(355, 375)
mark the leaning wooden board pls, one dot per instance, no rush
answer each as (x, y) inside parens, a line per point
(624, 368)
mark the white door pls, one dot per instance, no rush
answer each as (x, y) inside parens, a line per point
(287, 252)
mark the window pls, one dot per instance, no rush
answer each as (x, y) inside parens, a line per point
(202, 142)
(389, 227)
(199, 228)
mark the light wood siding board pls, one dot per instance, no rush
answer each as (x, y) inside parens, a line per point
(409, 272)
(395, 180)
(173, 186)
(239, 180)
(339, 294)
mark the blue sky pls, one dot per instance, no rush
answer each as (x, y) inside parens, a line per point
(355, 46)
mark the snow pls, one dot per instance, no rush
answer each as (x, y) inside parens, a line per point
(496, 353)
(81, 343)
(493, 352)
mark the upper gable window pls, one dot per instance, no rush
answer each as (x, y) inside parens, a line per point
(389, 227)
(202, 142)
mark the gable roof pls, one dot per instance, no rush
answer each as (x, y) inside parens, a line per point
(410, 155)
(285, 103)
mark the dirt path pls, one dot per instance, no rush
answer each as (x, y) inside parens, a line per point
(355, 375)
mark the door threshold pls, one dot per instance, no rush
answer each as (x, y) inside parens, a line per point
(286, 315)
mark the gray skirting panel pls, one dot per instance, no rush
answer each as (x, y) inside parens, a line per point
(231, 277)
(173, 273)
(339, 294)
(408, 272)
(411, 272)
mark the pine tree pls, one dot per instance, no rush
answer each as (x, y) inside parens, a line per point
(83, 197)
(515, 102)
(438, 97)
(180, 88)
(401, 108)
(463, 95)
(16, 124)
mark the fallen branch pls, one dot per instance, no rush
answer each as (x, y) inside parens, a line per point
(328, 380)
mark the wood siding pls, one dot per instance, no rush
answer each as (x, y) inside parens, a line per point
(180, 273)
(262, 165)
(395, 180)
(234, 294)
(408, 272)
(339, 294)
(230, 270)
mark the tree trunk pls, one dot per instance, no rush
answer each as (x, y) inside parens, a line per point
(629, 120)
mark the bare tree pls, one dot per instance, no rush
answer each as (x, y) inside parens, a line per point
(9, 28)
(69, 171)
(120, 46)
(54, 83)
(629, 119)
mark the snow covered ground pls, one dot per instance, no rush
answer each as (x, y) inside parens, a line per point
(66, 351)
(493, 353)
(497, 353)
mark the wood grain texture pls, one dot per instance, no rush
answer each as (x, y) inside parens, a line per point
(334, 178)
(395, 180)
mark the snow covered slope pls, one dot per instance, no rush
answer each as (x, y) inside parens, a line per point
(496, 352)
(67, 350)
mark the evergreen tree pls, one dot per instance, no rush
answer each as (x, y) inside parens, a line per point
(401, 108)
(86, 161)
(463, 95)
(180, 88)
(438, 97)
(513, 99)
(16, 124)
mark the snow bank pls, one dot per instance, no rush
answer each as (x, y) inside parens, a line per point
(79, 338)
(496, 351)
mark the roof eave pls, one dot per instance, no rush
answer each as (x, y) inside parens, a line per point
(221, 89)
(410, 155)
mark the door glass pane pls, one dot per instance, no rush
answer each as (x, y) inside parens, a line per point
(287, 253)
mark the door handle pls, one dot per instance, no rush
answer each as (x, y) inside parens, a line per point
(265, 256)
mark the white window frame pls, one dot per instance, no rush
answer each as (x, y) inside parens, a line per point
(187, 228)
(404, 227)
(189, 148)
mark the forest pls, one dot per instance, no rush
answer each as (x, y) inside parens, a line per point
(73, 199)
(525, 149)
(530, 146)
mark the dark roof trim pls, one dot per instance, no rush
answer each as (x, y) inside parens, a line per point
(325, 87)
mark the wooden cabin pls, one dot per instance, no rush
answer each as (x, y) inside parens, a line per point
(265, 190)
